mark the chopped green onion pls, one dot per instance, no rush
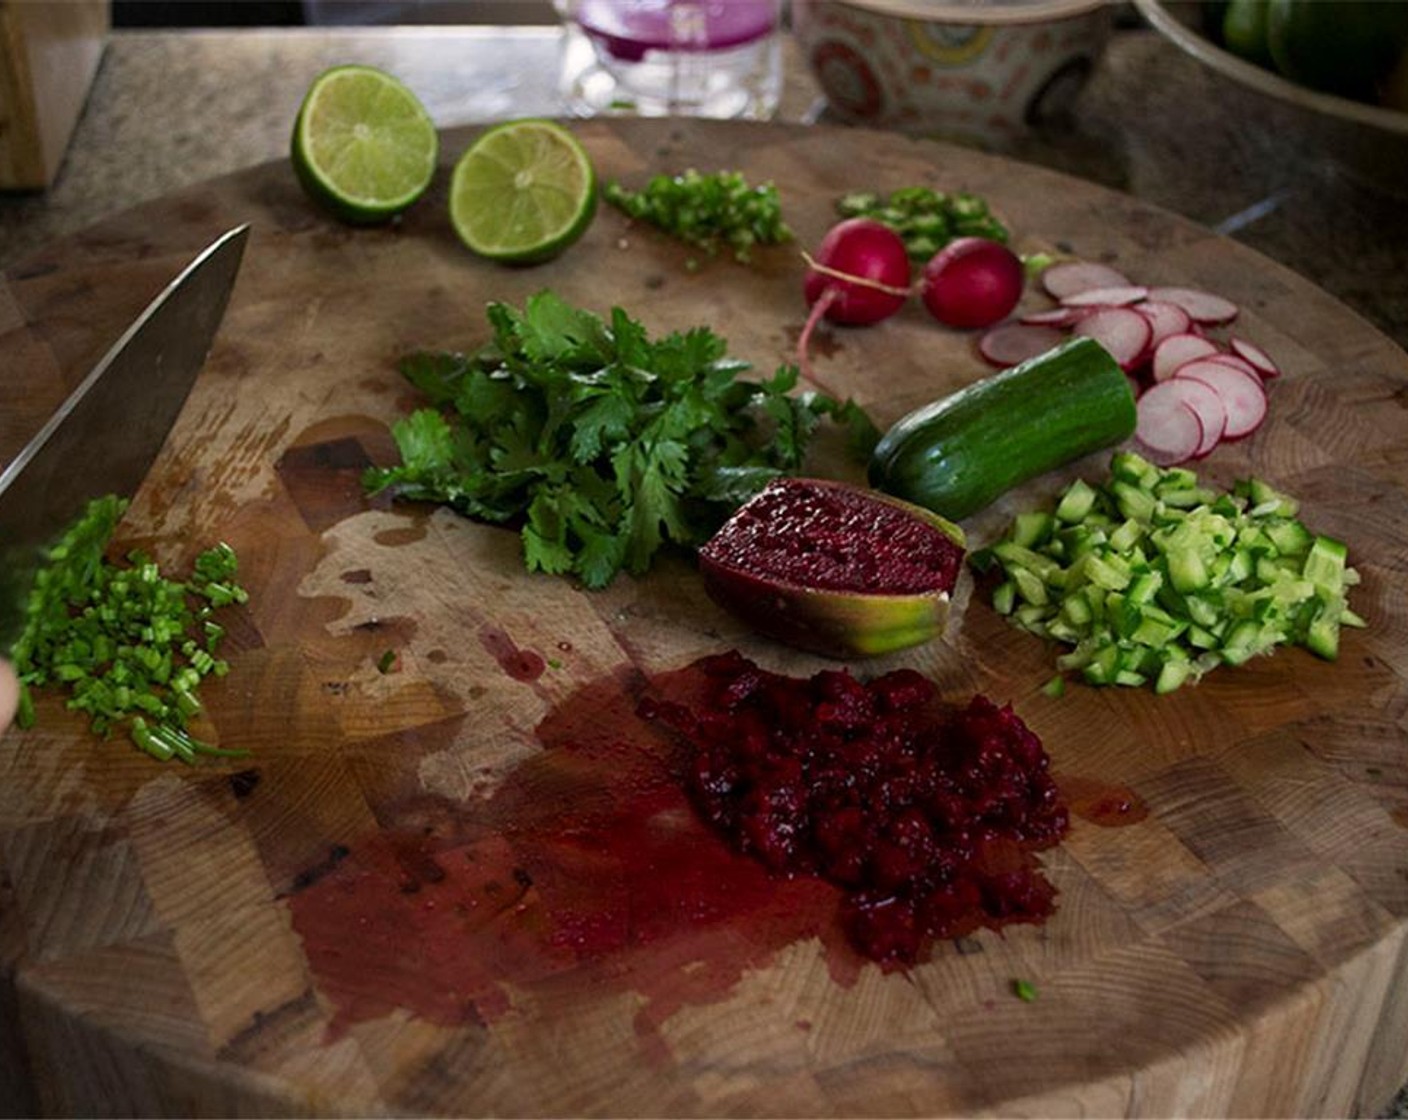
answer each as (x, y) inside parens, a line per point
(1024, 990)
(926, 219)
(123, 641)
(710, 211)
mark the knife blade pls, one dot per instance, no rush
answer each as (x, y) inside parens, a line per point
(105, 436)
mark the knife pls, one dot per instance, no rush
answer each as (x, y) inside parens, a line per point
(104, 437)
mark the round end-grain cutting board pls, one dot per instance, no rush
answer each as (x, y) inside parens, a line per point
(366, 913)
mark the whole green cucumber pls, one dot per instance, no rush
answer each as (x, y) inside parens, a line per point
(959, 454)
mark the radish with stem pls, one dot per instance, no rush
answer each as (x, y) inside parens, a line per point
(859, 276)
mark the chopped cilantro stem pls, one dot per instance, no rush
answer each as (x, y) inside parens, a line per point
(602, 443)
(1024, 990)
(122, 639)
(711, 211)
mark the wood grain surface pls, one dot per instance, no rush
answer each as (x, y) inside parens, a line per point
(293, 933)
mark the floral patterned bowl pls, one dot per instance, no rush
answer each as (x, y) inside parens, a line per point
(975, 71)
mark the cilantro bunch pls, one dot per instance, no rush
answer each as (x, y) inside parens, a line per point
(601, 443)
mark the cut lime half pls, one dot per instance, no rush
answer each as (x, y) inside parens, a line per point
(363, 145)
(523, 192)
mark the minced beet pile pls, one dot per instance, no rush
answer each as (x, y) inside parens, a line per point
(927, 814)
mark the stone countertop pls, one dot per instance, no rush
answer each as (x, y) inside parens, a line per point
(171, 108)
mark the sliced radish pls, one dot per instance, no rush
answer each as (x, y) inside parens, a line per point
(1065, 278)
(1167, 319)
(1237, 362)
(1242, 393)
(1260, 360)
(1009, 343)
(1203, 399)
(1202, 307)
(1167, 431)
(1176, 349)
(1055, 317)
(1121, 295)
(1123, 332)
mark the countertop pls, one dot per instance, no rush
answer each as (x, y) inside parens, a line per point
(171, 108)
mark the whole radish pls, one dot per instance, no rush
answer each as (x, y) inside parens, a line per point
(972, 282)
(859, 275)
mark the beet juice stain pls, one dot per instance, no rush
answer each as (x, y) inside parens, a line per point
(1102, 803)
(585, 875)
(523, 665)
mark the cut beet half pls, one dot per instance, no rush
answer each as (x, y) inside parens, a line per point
(1066, 278)
(1177, 349)
(1242, 393)
(1010, 343)
(1202, 307)
(1167, 431)
(837, 569)
(1123, 332)
(1260, 360)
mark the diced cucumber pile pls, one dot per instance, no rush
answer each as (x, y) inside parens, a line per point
(1154, 578)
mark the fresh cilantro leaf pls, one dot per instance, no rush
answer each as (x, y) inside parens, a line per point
(603, 444)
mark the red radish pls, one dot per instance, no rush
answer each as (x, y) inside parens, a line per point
(1166, 431)
(1056, 317)
(1203, 307)
(1166, 319)
(1242, 393)
(860, 275)
(1009, 343)
(1119, 296)
(1235, 361)
(1259, 358)
(1065, 278)
(972, 282)
(1176, 349)
(1203, 399)
(1123, 332)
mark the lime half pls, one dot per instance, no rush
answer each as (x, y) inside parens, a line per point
(523, 192)
(363, 145)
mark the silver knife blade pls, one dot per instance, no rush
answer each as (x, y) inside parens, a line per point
(104, 438)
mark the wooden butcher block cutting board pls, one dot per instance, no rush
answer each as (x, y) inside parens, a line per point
(459, 886)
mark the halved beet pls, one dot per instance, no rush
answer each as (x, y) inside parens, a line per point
(833, 568)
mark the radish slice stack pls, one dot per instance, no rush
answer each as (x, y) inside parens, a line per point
(1193, 391)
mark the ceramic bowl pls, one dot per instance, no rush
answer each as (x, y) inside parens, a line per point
(1368, 142)
(964, 71)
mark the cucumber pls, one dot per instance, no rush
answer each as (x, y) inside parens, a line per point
(959, 454)
(1147, 585)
